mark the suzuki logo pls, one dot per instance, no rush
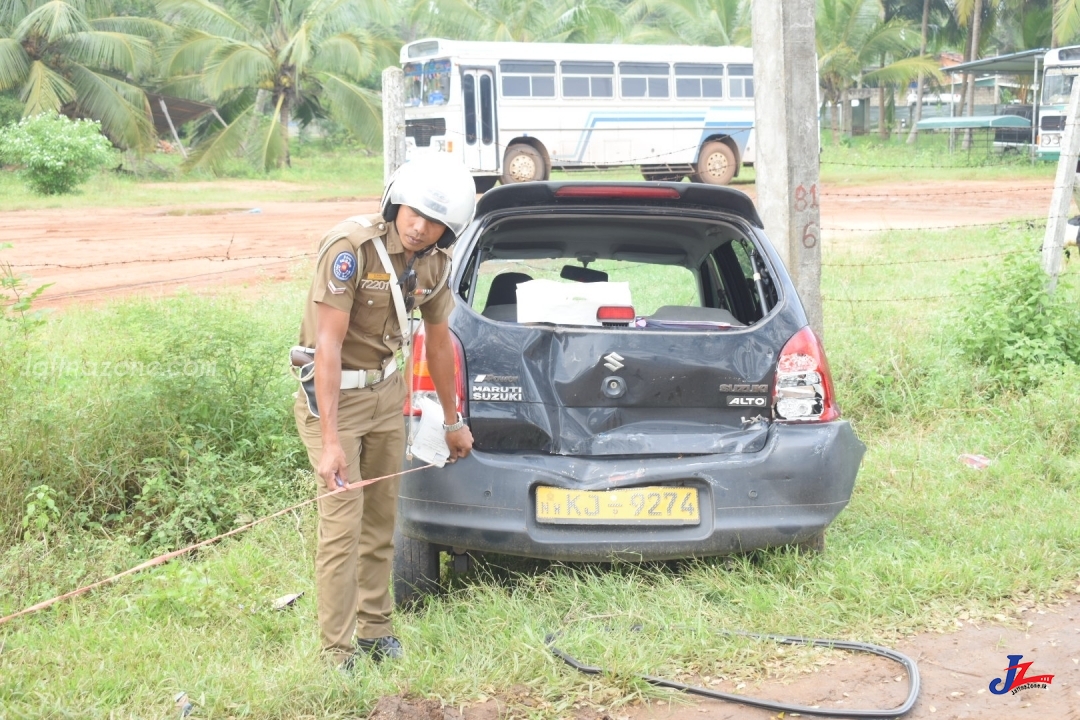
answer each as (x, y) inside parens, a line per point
(614, 361)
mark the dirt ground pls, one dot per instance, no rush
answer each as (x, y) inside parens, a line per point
(955, 670)
(111, 252)
(108, 252)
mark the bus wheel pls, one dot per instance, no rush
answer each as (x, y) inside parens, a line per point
(522, 164)
(484, 182)
(716, 164)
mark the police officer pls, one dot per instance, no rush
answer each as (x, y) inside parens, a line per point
(353, 321)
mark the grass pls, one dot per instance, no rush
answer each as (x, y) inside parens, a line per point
(316, 174)
(925, 538)
(321, 174)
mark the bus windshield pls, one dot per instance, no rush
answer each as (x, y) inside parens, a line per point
(427, 83)
(1056, 88)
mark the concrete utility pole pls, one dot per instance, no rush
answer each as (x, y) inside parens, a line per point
(1064, 183)
(788, 140)
(393, 119)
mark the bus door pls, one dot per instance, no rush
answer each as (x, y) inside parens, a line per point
(481, 134)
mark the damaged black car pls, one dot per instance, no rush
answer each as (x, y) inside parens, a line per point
(641, 383)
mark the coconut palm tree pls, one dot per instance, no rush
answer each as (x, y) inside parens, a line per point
(704, 22)
(266, 62)
(851, 37)
(526, 20)
(68, 56)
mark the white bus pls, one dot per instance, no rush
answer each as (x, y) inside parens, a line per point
(516, 111)
(1056, 87)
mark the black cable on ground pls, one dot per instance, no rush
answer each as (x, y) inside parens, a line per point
(909, 666)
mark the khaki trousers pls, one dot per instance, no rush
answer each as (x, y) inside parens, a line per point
(356, 528)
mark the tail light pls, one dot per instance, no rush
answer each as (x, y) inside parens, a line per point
(804, 389)
(421, 384)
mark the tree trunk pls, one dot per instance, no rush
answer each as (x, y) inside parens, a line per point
(285, 128)
(883, 130)
(976, 24)
(833, 122)
(913, 136)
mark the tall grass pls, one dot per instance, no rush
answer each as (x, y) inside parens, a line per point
(163, 419)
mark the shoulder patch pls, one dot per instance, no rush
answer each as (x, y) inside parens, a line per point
(344, 266)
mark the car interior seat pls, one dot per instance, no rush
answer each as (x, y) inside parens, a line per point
(502, 297)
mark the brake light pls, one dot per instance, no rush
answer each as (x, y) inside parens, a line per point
(421, 385)
(615, 191)
(614, 313)
(804, 389)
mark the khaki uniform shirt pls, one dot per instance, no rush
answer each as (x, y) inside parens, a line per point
(349, 276)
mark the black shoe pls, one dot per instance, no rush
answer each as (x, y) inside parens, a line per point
(387, 647)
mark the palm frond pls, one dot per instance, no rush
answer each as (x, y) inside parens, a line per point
(52, 21)
(346, 54)
(357, 108)
(215, 152)
(904, 71)
(237, 65)
(45, 90)
(143, 27)
(126, 53)
(273, 144)
(122, 109)
(14, 63)
(190, 52)
(1066, 20)
(208, 16)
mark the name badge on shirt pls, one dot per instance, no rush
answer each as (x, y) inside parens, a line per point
(377, 276)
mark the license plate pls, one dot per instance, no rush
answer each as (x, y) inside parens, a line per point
(632, 506)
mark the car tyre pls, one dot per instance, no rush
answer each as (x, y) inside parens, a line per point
(716, 164)
(416, 570)
(522, 163)
(484, 182)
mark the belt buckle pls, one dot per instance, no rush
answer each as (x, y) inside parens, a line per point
(372, 377)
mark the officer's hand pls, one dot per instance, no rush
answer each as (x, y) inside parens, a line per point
(333, 466)
(459, 442)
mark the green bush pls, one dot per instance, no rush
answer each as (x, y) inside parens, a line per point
(11, 108)
(1014, 328)
(171, 427)
(56, 153)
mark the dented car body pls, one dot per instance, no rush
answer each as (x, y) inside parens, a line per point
(698, 419)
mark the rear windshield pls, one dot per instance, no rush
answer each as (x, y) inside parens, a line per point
(619, 272)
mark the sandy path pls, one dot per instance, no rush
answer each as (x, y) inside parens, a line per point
(120, 251)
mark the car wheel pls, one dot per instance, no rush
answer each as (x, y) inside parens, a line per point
(522, 163)
(484, 182)
(416, 570)
(813, 545)
(716, 164)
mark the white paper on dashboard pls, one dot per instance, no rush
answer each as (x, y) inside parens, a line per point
(567, 303)
(429, 442)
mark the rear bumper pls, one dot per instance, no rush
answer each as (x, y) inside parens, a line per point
(786, 493)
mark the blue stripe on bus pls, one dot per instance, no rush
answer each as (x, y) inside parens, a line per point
(735, 127)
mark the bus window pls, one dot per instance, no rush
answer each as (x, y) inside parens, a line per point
(1056, 88)
(693, 80)
(742, 80)
(414, 91)
(528, 78)
(644, 79)
(468, 92)
(487, 111)
(437, 82)
(588, 79)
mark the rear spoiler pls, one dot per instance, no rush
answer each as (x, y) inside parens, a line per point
(671, 195)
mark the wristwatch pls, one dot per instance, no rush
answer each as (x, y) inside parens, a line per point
(456, 426)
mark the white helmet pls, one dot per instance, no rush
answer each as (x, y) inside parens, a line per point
(436, 186)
